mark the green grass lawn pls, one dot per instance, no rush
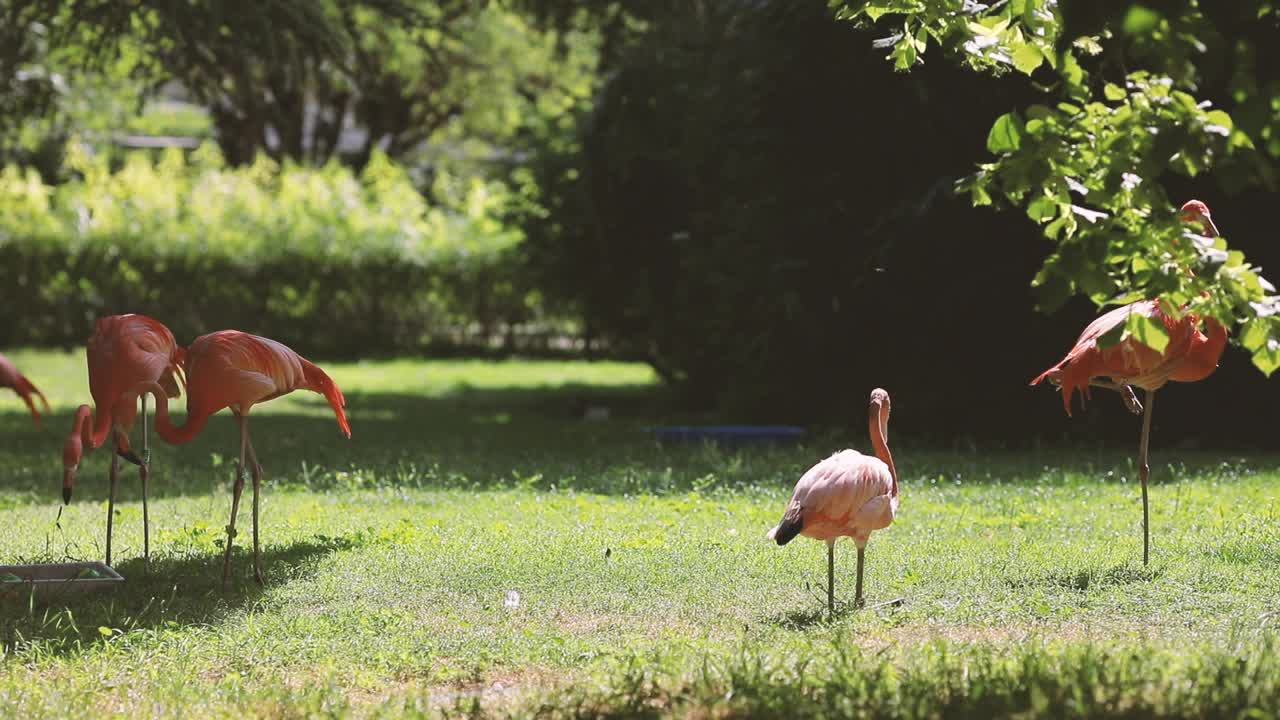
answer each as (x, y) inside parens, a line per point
(645, 585)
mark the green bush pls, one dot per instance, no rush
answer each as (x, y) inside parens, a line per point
(335, 262)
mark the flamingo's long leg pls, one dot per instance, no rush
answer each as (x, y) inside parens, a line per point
(1144, 470)
(257, 489)
(144, 472)
(831, 578)
(1126, 394)
(237, 488)
(857, 591)
(111, 495)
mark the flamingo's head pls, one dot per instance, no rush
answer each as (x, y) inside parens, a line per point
(879, 407)
(1194, 211)
(72, 451)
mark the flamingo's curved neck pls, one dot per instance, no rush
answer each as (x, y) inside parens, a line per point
(879, 427)
(171, 433)
(92, 430)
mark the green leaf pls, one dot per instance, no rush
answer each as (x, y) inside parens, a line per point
(104, 631)
(1255, 335)
(904, 54)
(1042, 209)
(1114, 92)
(875, 12)
(1219, 117)
(1026, 58)
(1071, 70)
(1111, 337)
(1006, 134)
(1267, 359)
(1148, 331)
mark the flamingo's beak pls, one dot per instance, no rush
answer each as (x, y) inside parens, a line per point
(130, 456)
(68, 478)
(1208, 225)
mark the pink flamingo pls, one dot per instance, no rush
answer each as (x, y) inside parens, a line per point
(1190, 355)
(123, 351)
(848, 494)
(10, 377)
(236, 370)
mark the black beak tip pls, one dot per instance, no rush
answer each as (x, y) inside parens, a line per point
(130, 456)
(66, 496)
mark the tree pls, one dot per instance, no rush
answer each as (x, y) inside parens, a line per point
(286, 77)
(1121, 115)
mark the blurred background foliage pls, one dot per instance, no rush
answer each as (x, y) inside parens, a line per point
(759, 198)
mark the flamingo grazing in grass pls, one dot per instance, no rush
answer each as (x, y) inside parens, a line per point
(236, 370)
(848, 494)
(1190, 355)
(124, 351)
(10, 377)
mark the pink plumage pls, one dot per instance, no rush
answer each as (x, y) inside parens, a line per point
(236, 370)
(847, 495)
(10, 377)
(1190, 355)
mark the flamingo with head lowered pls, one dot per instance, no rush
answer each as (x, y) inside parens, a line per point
(847, 495)
(123, 352)
(1190, 355)
(10, 377)
(236, 370)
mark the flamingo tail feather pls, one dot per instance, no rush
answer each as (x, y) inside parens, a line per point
(791, 525)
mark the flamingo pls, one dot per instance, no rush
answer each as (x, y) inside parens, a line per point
(1190, 355)
(848, 494)
(10, 377)
(236, 370)
(123, 351)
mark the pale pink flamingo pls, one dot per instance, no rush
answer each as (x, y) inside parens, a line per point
(124, 351)
(236, 370)
(1190, 355)
(10, 377)
(848, 494)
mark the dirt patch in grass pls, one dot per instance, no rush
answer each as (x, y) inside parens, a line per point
(910, 637)
(490, 690)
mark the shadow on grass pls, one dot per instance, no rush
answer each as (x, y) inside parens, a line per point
(1082, 580)
(179, 591)
(804, 619)
(497, 437)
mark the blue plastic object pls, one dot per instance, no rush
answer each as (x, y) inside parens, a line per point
(729, 435)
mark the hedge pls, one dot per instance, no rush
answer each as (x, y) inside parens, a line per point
(338, 263)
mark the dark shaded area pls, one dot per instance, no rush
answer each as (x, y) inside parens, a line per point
(536, 438)
(762, 208)
(184, 590)
(757, 204)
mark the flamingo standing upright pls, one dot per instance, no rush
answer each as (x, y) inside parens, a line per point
(124, 351)
(236, 370)
(1190, 355)
(848, 494)
(11, 378)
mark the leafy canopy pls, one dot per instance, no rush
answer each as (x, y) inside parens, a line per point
(1122, 109)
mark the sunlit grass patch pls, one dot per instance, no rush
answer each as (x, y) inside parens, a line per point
(442, 562)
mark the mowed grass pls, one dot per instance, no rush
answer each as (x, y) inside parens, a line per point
(478, 548)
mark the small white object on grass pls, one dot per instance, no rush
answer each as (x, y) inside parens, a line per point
(512, 600)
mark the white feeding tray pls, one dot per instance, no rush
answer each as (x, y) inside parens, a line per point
(57, 578)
